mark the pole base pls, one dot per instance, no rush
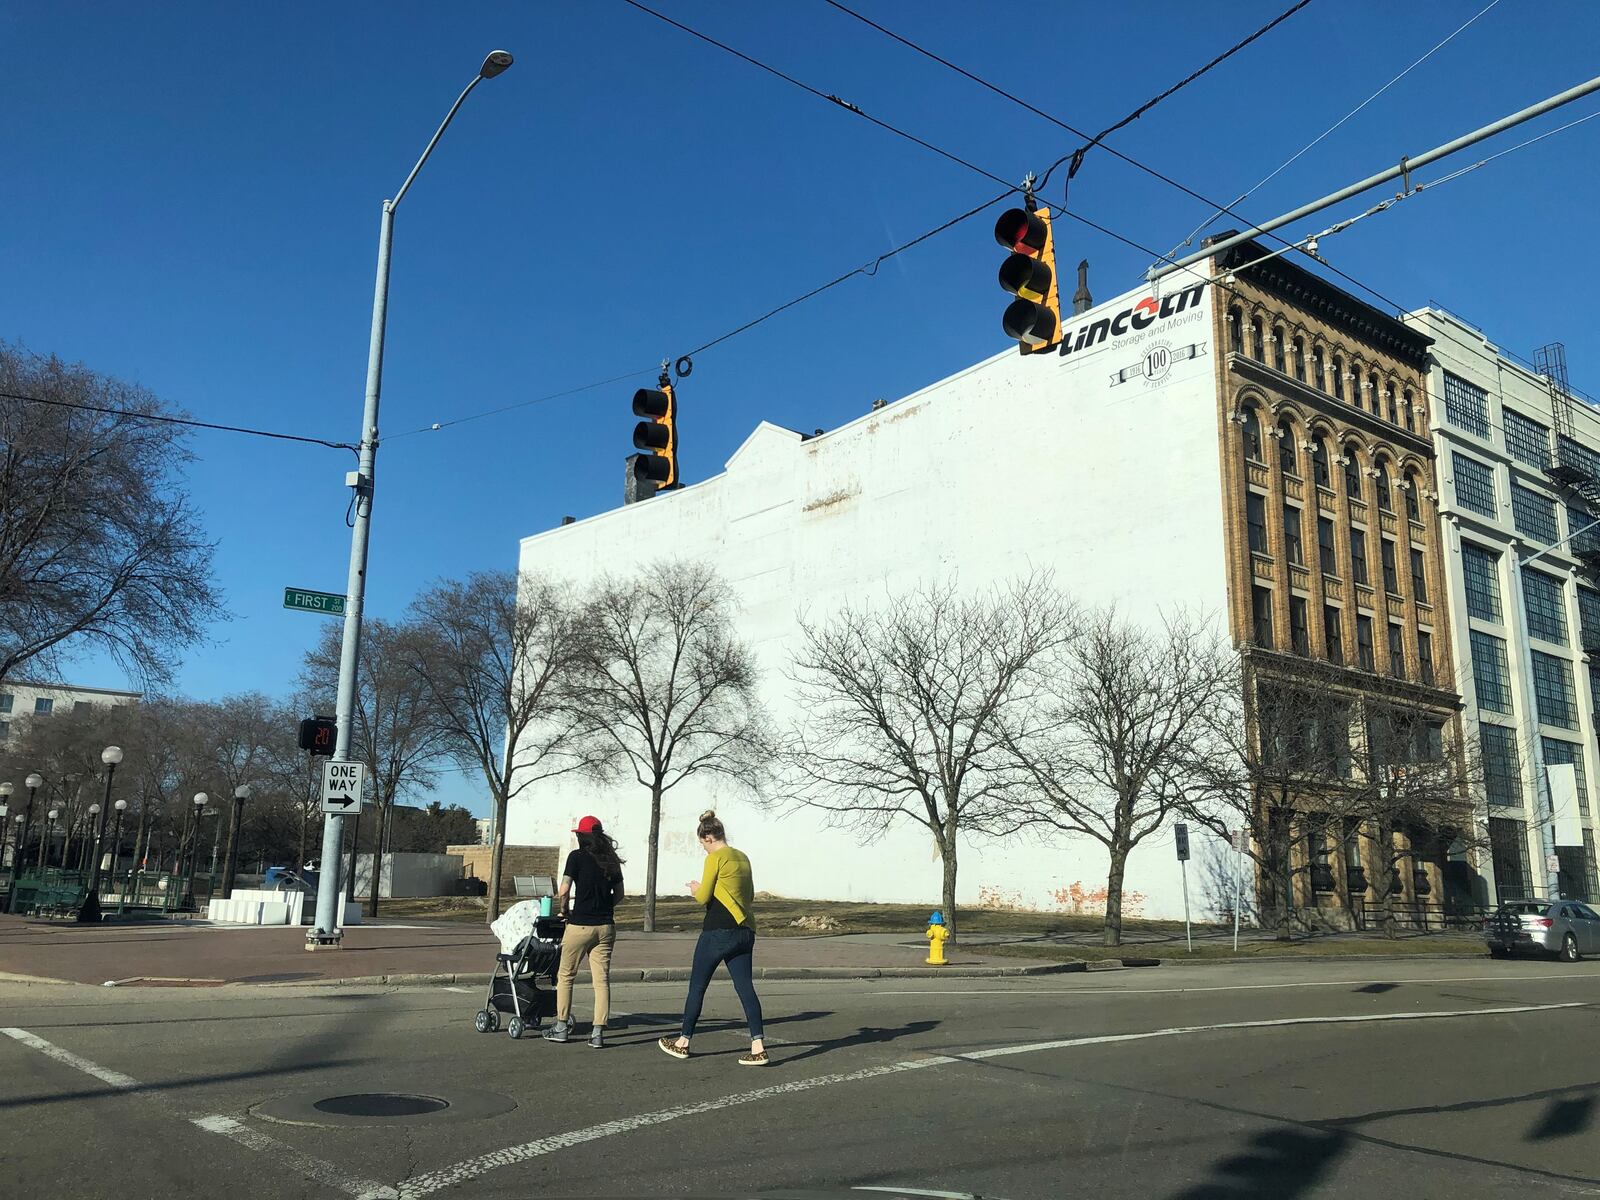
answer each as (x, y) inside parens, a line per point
(317, 939)
(89, 910)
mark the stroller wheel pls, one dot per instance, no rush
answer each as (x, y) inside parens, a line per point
(514, 1027)
(483, 1022)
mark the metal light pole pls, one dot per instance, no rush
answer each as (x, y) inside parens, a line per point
(116, 839)
(230, 860)
(5, 827)
(326, 931)
(90, 910)
(44, 842)
(200, 799)
(33, 783)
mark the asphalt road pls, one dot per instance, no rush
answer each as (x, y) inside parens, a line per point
(1422, 1079)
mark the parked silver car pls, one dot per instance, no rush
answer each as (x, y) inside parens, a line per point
(1564, 928)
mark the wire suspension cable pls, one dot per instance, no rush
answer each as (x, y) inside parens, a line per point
(162, 419)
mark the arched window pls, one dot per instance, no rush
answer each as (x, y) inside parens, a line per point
(1389, 405)
(1288, 459)
(1338, 379)
(1385, 498)
(1252, 436)
(1236, 329)
(1258, 340)
(1300, 360)
(1372, 392)
(1319, 369)
(1319, 463)
(1352, 473)
(1413, 504)
(1406, 409)
(1277, 347)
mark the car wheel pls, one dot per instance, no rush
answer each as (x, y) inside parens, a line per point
(1499, 952)
(1569, 949)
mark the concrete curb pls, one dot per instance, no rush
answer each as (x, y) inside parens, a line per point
(37, 980)
(1185, 961)
(681, 975)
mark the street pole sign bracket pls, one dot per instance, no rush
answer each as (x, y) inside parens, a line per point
(341, 786)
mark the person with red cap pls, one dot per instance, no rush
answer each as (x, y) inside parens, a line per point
(593, 878)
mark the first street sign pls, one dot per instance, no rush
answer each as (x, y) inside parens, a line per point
(341, 786)
(321, 602)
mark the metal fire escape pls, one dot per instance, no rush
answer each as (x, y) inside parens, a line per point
(1575, 469)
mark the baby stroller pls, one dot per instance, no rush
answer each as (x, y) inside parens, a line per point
(514, 982)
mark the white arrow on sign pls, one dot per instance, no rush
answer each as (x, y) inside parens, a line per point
(341, 786)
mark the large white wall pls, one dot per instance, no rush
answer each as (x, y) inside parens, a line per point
(1077, 463)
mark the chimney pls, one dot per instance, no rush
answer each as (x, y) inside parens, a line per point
(1082, 301)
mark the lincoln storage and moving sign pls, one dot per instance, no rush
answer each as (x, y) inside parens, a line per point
(1099, 462)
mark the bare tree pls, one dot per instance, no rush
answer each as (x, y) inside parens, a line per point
(99, 547)
(396, 732)
(906, 705)
(496, 655)
(237, 741)
(665, 680)
(1109, 741)
(292, 774)
(1276, 760)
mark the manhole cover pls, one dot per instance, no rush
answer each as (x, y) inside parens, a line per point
(380, 1104)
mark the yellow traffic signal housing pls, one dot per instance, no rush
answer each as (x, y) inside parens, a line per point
(1029, 274)
(658, 434)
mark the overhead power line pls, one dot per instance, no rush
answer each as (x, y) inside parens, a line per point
(1269, 176)
(162, 419)
(817, 92)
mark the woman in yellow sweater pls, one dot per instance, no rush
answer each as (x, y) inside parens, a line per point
(728, 891)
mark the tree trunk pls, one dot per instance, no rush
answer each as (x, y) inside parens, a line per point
(1119, 864)
(300, 854)
(230, 857)
(1388, 860)
(650, 862)
(141, 845)
(355, 849)
(384, 811)
(497, 852)
(948, 893)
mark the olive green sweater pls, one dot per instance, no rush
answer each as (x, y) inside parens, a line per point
(727, 877)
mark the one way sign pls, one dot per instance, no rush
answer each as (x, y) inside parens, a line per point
(341, 786)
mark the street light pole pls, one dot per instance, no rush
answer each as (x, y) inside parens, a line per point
(44, 842)
(5, 826)
(230, 860)
(116, 844)
(326, 932)
(90, 910)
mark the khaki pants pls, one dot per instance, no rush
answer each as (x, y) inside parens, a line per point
(593, 942)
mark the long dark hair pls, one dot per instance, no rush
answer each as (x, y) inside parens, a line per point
(598, 846)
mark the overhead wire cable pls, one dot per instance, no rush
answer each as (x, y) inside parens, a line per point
(504, 408)
(1248, 192)
(817, 92)
(164, 419)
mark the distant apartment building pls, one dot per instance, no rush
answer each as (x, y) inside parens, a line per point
(1519, 454)
(26, 700)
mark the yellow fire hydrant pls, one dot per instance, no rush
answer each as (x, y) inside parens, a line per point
(937, 933)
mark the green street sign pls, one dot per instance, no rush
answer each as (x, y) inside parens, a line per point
(318, 602)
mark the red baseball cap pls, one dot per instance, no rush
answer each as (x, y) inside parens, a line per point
(588, 825)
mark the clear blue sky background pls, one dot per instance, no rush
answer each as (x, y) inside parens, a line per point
(190, 199)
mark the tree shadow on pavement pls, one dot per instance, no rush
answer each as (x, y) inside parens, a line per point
(146, 1089)
(1278, 1164)
(867, 1035)
(1564, 1118)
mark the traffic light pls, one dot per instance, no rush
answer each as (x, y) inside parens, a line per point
(1034, 317)
(658, 434)
(318, 735)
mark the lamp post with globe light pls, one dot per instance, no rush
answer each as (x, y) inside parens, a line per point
(90, 909)
(5, 826)
(230, 861)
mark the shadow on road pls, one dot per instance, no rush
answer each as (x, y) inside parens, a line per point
(1277, 1165)
(1564, 1118)
(867, 1035)
(145, 1089)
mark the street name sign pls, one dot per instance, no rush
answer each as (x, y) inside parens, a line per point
(341, 786)
(319, 602)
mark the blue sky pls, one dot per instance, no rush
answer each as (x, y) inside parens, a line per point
(191, 195)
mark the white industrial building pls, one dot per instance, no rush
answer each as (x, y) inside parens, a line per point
(1520, 566)
(1101, 464)
(20, 700)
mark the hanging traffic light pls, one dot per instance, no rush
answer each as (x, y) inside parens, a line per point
(658, 434)
(1034, 317)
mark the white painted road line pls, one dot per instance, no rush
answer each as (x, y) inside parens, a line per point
(1549, 977)
(311, 1168)
(1104, 1039)
(471, 1168)
(115, 1078)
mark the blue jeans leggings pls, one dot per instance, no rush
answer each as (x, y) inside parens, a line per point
(736, 948)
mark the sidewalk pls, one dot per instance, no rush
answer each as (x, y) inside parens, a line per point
(195, 953)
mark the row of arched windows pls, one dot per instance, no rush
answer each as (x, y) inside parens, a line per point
(1327, 374)
(1322, 459)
